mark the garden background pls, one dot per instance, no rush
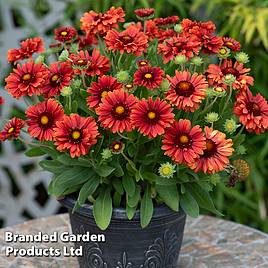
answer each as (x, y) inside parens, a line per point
(23, 187)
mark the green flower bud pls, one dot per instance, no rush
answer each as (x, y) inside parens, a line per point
(180, 59)
(241, 149)
(224, 52)
(167, 170)
(64, 55)
(197, 61)
(215, 178)
(177, 28)
(39, 59)
(66, 91)
(74, 48)
(106, 154)
(230, 126)
(228, 79)
(122, 76)
(212, 117)
(76, 83)
(127, 24)
(215, 92)
(242, 57)
(165, 85)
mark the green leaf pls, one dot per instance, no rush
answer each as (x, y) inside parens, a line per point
(119, 172)
(129, 184)
(102, 209)
(87, 189)
(117, 184)
(132, 149)
(189, 205)
(165, 181)
(146, 208)
(36, 151)
(68, 160)
(170, 195)
(51, 152)
(52, 166)
(203, 198)
(68, 179)
(117, 199)
(130, 212)
(104, 170)
(147, 176)
(132, 201)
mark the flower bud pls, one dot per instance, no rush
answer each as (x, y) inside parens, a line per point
(64, 55)
(122, 76)
(166, 170)
(224, 52)
(177, 28)
(197, 61)
(241, 149)
(66, 91)
(212, 117)
(165, 85)
(228, 79)
(180, 59)
(39, 59)
(242, 57)
(230, 126)
(106, 154)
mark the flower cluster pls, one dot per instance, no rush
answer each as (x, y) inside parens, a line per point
(144, 100)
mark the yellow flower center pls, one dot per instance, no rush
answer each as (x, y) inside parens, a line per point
(143, 62)
(104, 94)
(116, 146)
(26, 77)
(166, 170)
(218, 89)
(184, 139)
(148, 76)
(120, 109)
(80, 61)
(128, 86)
(151, 115)
(64, 33)
(54, 78)
(223, 51)
(11, 130)
(44, 120)
(76, 135)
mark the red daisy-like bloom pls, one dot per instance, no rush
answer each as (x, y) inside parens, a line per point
(144, 12)
(215, 73)
(231, 43)
(95, 64)
(42, 118)
(114, 111)
(26, 50)
(60, 75)
(100, 89)
(152, 117)
(164, 34)
(166, 22)
(184, 143)
(98, 23)
(252, 111)
(216, 153)
(198, 28)
(87, 41)
(27, 79)
(187, 91)
(12, 129)
(132, 40)
(211, 44)
(75, 134)
(117, 147)
(149, 77)
(65, 33)
(179, 45)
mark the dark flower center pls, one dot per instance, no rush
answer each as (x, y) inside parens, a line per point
(27, 78)
(184, 141)
(254, 108)
(230, 70)
(126, 39)
(211, 149)
(184, 88)
(55, 79)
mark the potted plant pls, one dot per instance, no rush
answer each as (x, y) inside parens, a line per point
(138, 122)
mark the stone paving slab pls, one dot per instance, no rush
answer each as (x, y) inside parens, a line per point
(208, 243)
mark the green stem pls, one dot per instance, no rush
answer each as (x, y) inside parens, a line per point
(228, 99)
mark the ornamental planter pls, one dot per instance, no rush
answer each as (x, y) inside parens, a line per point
(127, 245)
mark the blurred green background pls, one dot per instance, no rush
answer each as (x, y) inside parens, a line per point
(244, 20)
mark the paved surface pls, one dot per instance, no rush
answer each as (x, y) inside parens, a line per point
(208, 243)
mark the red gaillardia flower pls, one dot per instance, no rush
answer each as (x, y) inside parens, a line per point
(215, 73)
(114, 111)
(152, 117)
(117, 147)
(87, 41)
(100, 89)
(216, 153)
(42, 118)
(101, 23)
(166, 22)
(231, 43)
(184, 143)
(252, 111)
(144, 12)
(27, 79)
(132, 40)
(75, 134)
(60, 75)
(187, 91)
(12, 129)
(65, 33)
(211, 44)
(150, 77)
(95, 64)
(26, 50)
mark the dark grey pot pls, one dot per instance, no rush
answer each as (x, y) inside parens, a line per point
(127, 245)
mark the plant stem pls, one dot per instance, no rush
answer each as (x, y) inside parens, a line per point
(228, 99)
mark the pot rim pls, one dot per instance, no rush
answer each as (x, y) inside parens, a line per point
(118, 213)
